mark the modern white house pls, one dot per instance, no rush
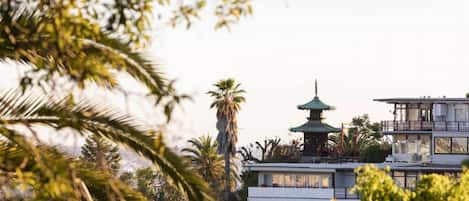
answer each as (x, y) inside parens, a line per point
(430, 135)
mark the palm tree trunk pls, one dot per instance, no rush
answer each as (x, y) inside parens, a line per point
(227, 175)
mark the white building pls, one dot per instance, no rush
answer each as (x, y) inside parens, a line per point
(430, 135)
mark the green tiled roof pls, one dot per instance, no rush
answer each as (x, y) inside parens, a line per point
(315, 104)
(315, 127)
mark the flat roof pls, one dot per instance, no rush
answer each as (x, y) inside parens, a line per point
(332, 167)
(423, 100)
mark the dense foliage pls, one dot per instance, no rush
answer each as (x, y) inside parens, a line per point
(375, 184)
(361, 140)
(152, 185)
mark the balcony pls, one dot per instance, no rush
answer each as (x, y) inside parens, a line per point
(398, 126)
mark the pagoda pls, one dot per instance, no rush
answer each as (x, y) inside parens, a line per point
(314, 130)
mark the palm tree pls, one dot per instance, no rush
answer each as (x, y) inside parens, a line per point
(360, 135)
(207, 163)
(227, 100)
(59, 40)
(24, 112)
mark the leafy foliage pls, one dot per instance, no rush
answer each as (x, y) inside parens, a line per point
(53, 176)
(360, 135)
(375, 184)
(101, 153)
(375, 153)
(208, 164)
(30, 110)
(152, 185)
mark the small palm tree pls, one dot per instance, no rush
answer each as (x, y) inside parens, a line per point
(227, 100)
(360, 135)
(207, 163)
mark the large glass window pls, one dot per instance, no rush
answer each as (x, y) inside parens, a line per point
(411, 144)
(459, 145)
(442, 145)
(302, 180)
(451, 145)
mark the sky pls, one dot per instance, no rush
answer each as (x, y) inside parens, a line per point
(358, 50)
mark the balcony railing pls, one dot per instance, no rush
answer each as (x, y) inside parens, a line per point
(391, 126)
(345, 193)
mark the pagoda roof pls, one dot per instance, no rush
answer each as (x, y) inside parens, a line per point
(315, 104)
(315, 127)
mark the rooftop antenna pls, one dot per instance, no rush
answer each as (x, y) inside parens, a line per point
(315, 87)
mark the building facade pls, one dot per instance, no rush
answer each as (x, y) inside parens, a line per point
(429, 135)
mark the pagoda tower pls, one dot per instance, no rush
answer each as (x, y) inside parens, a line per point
(314, 130)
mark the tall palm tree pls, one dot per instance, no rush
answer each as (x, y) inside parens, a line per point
(227, 100)
(207, 163)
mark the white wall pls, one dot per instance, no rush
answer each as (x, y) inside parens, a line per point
(289, 194)
(448, 159)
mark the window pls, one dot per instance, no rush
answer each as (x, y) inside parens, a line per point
(442, 145)
(399, 178)
(313, 181)
(460, 114)
(301, 181)
(458, 145)
(325, 181)
(425, 144)
(290, 180)
(400, 144)
(411, 180)
(451, 145)
(277, 180)
(412, 144)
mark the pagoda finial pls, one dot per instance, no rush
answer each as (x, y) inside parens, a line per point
(315, 87)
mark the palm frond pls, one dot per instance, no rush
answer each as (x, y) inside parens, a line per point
(86, 117)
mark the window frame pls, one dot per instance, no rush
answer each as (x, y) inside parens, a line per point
(450, 146)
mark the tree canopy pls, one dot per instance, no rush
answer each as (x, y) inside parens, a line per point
(375, 184)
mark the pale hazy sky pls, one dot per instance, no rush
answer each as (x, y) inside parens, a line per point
(357, 49)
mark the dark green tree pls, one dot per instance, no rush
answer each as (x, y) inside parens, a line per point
(152, 185)
(101, 153)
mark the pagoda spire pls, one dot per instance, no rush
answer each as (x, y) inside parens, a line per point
(315, 88)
